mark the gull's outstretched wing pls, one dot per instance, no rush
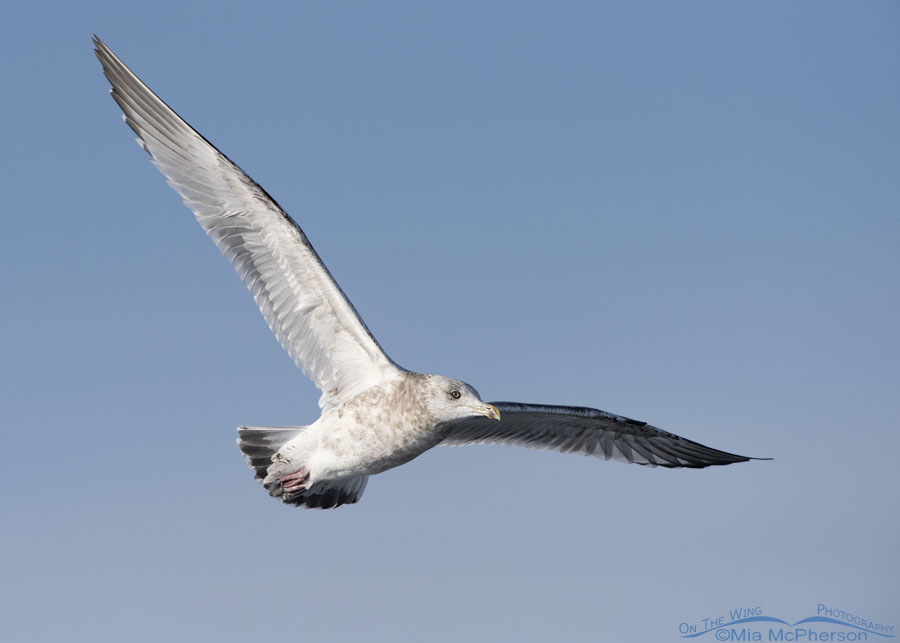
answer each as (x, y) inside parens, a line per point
(574, 429)
(309, 314)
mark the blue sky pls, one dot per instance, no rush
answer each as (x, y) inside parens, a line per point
(681, 212)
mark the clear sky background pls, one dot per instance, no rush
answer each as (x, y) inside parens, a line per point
(683, 212)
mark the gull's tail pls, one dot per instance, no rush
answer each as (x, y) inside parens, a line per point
(260, 443)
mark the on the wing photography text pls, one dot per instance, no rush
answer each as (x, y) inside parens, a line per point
(752, 624)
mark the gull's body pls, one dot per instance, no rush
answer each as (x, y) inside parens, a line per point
(375, 414)
(383, 427)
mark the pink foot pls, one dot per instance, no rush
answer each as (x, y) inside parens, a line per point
(294, 482)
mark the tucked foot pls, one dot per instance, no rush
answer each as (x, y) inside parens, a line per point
(294, 482)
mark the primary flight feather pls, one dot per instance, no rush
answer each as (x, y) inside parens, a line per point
(375, 415)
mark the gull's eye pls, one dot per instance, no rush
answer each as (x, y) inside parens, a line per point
(455, 394)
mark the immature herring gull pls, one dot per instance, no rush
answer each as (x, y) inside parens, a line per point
(375, 414)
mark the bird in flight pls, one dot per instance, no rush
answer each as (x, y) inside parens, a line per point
(375, 415)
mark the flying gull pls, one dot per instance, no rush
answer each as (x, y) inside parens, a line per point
(375, 415)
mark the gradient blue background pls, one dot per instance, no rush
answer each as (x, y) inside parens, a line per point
(684, 212)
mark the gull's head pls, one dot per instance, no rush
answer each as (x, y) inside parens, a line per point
(449, 399)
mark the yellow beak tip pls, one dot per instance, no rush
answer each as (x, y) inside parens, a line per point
(487, 410)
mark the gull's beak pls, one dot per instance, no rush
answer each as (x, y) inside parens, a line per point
(488, 411)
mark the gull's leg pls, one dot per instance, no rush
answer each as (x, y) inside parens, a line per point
(294, 482)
